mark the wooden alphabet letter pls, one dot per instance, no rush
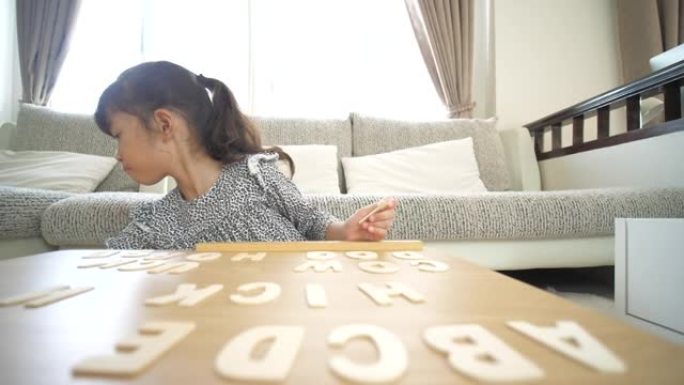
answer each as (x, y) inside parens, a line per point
(270, 292)
(315, 296)
(362, 255)
(137, 353)
(235, 361)
(379, 267)
(186, 295)
(203, 257)
(44, 297)
(256, 257)
(174, 267)
(572, 340)
(429, 265)
(106, 263)
(476, 352)
(320, 255)
(381, 295)
(319, 266)
(392, 357)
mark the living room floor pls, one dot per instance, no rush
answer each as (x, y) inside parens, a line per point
(590, 287)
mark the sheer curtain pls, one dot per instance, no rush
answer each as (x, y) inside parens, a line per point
(304, 58)
(444, 30)
(44, 30)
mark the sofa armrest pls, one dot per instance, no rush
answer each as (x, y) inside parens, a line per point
(520, 159)
(89, 219)
(22, 208)
(6, 133)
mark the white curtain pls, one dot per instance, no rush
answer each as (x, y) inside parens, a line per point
(444, 31)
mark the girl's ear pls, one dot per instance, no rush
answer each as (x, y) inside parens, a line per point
(164, 120)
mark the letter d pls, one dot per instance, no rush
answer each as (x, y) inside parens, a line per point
(235, 359)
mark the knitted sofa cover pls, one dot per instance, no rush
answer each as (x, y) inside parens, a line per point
(90, 219)
(22, 208)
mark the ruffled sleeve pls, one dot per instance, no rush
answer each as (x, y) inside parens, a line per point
(286, 198)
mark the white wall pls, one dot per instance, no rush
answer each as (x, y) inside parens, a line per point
(483, 60)
(551, 54)
(657, 161)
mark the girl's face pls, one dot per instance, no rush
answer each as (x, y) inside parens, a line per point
(140, 150)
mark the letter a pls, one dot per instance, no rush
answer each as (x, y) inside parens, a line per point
(235, 360)
(480, 354)
(571, 339)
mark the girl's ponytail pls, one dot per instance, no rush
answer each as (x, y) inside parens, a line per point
(229, 134)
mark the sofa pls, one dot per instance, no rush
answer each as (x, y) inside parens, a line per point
(512, 225)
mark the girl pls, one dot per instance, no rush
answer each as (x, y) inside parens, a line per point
(229, 188)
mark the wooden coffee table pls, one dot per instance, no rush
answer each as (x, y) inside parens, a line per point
(298, 325)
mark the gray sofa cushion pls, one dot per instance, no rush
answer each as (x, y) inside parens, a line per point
(375, 135)
(21, 210)
(42, 129)
(90, 219)
(336, 132)
(306, 131)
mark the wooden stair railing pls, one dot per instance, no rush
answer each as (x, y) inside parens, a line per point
(666, 84)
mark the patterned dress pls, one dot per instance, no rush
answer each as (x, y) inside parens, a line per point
(252, 201)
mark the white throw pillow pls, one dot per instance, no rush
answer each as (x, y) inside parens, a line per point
(315, 168)
(54, 170)
(439, 168)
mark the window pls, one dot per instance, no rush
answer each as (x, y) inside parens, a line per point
(303, 58)
(106, 40)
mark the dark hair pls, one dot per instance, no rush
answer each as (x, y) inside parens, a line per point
(222, 130)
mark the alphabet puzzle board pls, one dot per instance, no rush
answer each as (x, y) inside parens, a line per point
(310, 317)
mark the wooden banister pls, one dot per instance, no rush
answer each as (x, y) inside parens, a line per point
(666, 83)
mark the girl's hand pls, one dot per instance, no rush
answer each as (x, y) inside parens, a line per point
(371, 223)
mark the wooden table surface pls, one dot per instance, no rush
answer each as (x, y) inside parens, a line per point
(42, 345)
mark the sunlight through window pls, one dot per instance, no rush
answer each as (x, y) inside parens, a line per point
(302, 58)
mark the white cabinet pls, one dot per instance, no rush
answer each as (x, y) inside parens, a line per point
(649, 274)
